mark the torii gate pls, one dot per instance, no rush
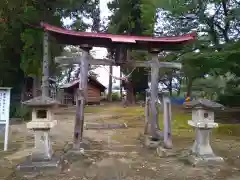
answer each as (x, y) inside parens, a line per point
(87, 40)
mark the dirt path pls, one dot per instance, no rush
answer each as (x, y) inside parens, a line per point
(119, 155)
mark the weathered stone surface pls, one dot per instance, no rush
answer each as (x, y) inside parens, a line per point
(205, 103)
(41, 124)
(84, 145)
(203, 123)
(43, 147)
(36, 166)
(41, 101)
(150, 143)
(163, 152)
(205, 160)
(206, 125)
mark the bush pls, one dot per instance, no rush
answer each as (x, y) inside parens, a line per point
(229, 100)
(116, 96)
(19, 111)
(140, 96)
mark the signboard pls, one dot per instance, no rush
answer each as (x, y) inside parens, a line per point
(4, 113)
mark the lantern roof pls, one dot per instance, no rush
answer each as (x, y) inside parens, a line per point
(41, 101)
(205, 103)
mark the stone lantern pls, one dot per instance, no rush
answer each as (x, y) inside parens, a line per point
(42, 122)
(203, 123)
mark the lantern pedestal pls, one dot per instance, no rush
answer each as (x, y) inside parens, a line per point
(41, 124)
(201, 152)
(202, 121)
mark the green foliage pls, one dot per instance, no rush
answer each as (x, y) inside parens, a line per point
(227, 130)
(140, 96)
(32, 52)
(116, 96)
(22, 44)
(19, 111)
(218, 42)
(231, 95)
(135, 17)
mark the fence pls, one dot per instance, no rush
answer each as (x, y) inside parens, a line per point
(178, 100)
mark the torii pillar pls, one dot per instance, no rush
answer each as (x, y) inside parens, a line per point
(154, 92)
(81, 98)
(85, 59)
(154, 140)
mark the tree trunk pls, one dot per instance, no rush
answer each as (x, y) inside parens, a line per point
(23, 91)
(121, 92)
(189, 87)
(130, 93)
(170, 84)
(170, 87)
(179, 89)
(110, 84)
(36, 86)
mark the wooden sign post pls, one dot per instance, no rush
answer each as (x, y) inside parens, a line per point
(4, 113)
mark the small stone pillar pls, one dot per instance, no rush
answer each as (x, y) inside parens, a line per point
(202, 121)
(167, 121)
(42, 122)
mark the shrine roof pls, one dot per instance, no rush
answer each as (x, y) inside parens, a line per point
(71, 37)
(90, 79)
(41, 101)
(204, 103)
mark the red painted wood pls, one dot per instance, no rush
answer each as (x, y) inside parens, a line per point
(106, 40)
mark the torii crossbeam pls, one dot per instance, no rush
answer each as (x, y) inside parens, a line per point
(152, 44)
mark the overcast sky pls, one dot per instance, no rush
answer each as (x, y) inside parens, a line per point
(102, 52)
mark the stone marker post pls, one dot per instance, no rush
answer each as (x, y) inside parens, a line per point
(167, 118)
(202, 121)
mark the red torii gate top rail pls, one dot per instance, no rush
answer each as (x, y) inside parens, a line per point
(149, 43)
(70, 37)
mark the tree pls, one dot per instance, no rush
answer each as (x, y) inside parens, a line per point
(134, 17)
(217, 25)
(19, 31)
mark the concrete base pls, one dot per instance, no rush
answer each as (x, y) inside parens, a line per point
(29, 165)
(150, 143)
(163, 152)
(80, 150)
(31, 169)
(205, 160)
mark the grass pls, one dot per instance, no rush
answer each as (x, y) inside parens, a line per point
(228, 130)
(93, 109)
(134, 117)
